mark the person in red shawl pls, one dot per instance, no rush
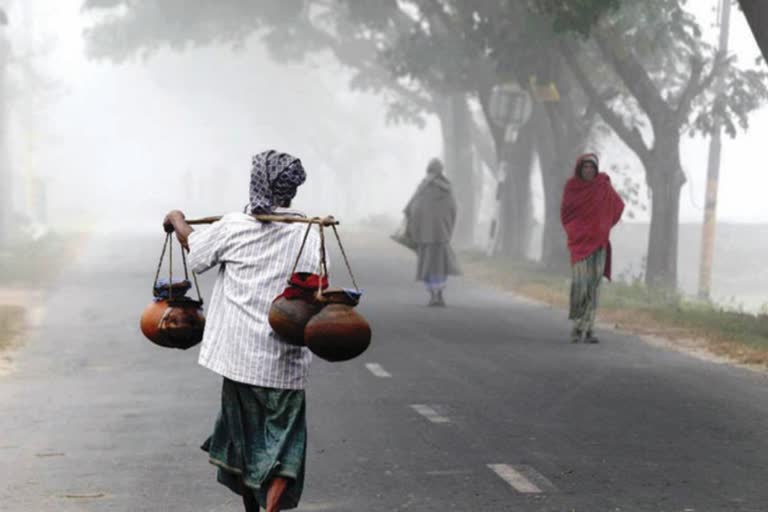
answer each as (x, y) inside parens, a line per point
(590, 208)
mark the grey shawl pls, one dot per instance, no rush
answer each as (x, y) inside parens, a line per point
(430, 218)
(431, 212)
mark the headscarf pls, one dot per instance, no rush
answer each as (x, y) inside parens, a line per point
(588, 212)
(435, 166)
(583, 159)
(274, 179)
(435, 177)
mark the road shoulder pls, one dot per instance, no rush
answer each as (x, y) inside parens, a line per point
(660, 330)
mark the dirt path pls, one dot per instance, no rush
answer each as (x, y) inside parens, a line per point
(21, 309)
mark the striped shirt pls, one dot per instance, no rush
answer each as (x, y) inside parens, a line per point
(254, 261)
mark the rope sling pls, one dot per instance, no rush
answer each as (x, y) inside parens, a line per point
(323, 265)
(173, 320)
(322, 223)
(168, 245)
(334, 331)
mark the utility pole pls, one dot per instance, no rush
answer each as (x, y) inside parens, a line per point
(713, 168)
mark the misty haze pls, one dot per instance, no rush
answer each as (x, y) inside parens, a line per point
(418, 255)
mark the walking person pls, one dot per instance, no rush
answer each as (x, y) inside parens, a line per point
(590, 209)
(259, 439)
(430, 220)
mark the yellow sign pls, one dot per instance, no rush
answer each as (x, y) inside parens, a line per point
(544, 93)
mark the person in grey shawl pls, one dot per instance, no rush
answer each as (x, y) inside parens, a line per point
(430, 219)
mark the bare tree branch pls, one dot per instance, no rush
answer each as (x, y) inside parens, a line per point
(340, 50)
(696, 85)
(635, 78)
(436, 8)
(692, 88)
(631, 136)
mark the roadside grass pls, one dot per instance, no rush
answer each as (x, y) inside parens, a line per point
(26, 267)
(736, 335)
(11, 325)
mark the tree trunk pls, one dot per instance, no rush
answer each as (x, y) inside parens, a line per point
(516, 206)
(515, 215)
(665, 179)
(562, 136)
(455, 119)
(554, 174)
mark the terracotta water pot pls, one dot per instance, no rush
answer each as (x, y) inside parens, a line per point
(289, 317)
(178, 323)
(338, 332)
(291, 310)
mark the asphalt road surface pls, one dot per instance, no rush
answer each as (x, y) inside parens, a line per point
(483, 405)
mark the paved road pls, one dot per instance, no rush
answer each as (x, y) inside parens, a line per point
(481, 406)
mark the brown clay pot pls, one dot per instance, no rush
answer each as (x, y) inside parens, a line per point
(337, 332)
(288, 318)
(174, 324)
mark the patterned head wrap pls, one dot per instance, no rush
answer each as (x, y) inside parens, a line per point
(274, 179)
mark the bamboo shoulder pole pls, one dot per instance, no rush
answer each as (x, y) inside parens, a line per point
(288, 219)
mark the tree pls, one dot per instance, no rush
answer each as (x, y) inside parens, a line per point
(353, 31)
(292, 30)
(561, 124)
(654, 71)
(666, 72)
(574, 15)
(563, 130)
(476, 45)
(450, 50)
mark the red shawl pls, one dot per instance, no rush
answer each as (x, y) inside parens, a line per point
(588, 212)
(303, 285)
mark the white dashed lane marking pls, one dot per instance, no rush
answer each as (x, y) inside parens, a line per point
(524, 479)
(377, 370)
(429, 413)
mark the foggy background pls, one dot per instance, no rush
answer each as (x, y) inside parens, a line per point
(117, 146)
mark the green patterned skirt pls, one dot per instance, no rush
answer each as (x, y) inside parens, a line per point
(260, 433)
(585, 288)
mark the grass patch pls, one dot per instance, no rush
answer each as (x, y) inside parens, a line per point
(25, 267)
(740, 336)
(11, 324)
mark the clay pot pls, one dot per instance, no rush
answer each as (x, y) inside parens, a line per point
(338, 332)
(288, 318)
(174, 324)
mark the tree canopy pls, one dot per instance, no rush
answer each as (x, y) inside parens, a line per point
(642, 67)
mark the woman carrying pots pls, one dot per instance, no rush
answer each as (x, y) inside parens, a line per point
(430, 219)
(589, 210)
(259, 439)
